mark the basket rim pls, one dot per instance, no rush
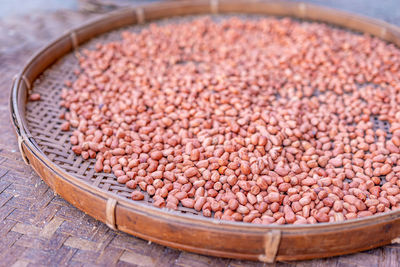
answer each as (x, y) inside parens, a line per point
(19, 124)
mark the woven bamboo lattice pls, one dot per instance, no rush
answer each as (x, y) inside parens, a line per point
(47, 149)
(38, 228)
(44, 122)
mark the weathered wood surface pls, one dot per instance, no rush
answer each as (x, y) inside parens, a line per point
(38, 228)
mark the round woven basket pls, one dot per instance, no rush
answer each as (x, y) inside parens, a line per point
(46, 148)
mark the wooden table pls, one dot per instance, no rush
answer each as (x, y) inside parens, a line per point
(39, 228)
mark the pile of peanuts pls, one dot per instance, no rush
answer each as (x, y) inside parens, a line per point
(267, 120)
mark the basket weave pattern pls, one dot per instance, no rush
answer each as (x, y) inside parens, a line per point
(48, 138)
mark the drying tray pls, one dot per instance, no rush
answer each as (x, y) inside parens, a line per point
(46, 148)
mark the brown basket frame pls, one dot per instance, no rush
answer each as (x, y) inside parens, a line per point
(185, 231)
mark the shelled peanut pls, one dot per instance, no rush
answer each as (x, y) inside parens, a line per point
(263, 121)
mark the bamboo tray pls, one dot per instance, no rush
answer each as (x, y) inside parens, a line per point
(47, 150)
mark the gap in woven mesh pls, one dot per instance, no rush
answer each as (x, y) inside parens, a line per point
(347, 180)
(383, 180)
(381, 124)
